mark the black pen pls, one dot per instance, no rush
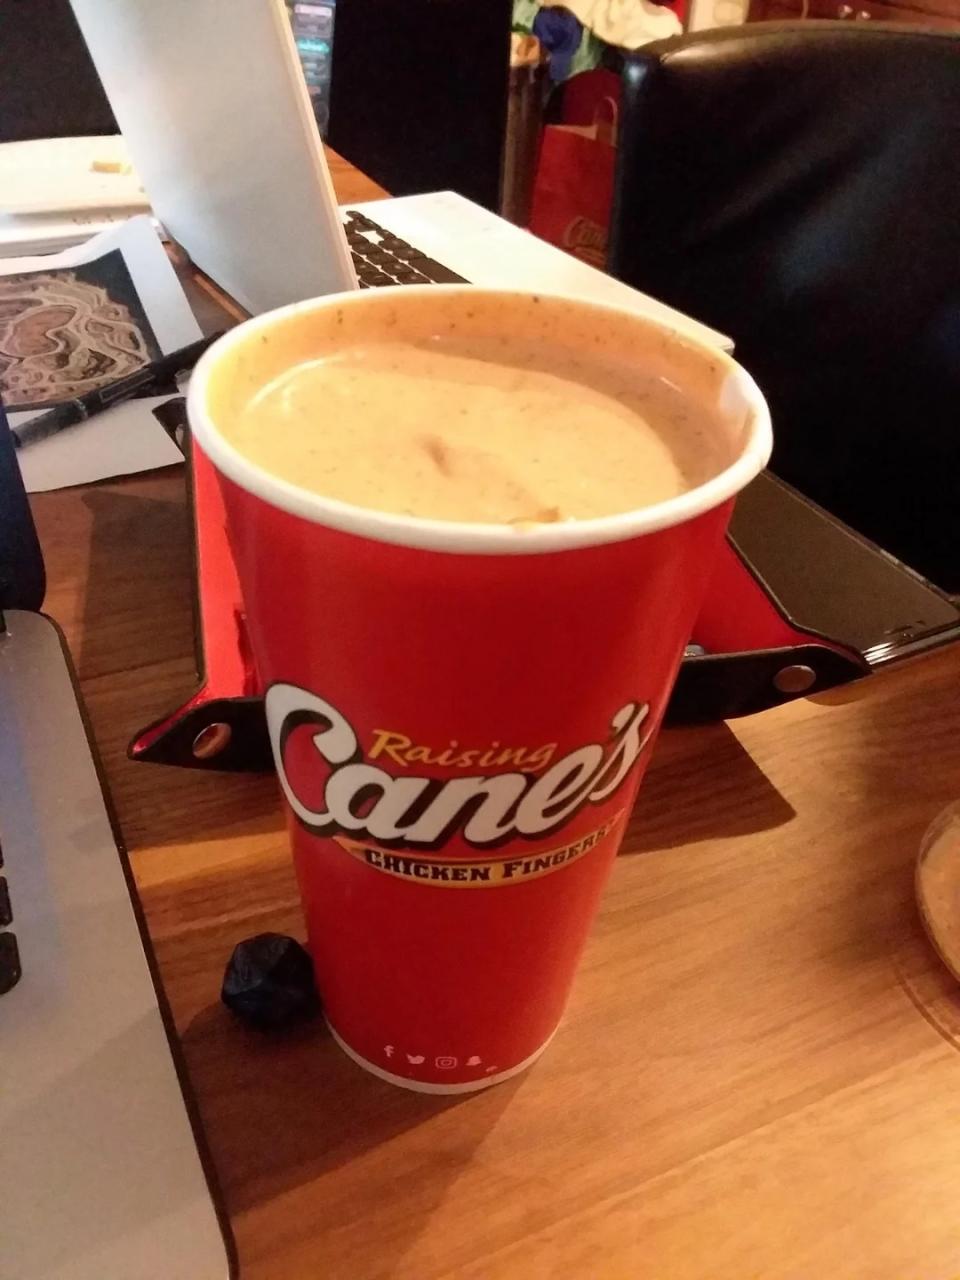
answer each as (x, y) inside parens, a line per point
(70, 412)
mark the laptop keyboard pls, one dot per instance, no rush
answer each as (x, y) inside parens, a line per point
(382, 258)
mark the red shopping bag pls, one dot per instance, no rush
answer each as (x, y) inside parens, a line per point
(573, 188)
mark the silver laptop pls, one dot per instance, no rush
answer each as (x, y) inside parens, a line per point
(211, 99)
(103, 1178)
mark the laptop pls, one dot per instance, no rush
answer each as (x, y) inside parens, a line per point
(213, 104)
(103, 1176)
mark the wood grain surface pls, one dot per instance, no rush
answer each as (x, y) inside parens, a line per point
(758, 1075)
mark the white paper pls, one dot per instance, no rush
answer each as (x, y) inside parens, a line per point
(48, 232)
(126, 439)
(121, 442)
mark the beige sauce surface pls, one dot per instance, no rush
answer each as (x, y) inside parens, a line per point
(480, 428)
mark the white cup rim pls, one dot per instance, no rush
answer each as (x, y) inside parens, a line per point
(461, 537)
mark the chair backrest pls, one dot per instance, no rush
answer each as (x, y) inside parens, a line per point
(48, 85)
(797, 185)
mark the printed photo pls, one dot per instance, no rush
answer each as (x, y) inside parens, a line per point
(70, 330)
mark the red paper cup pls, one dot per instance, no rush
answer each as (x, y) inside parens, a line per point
(461, 713)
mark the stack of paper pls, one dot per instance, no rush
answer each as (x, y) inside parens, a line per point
(80, 319)
(58, 192)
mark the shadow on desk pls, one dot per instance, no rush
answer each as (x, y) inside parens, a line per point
(702, 785)
(137, 608)
(284, 1111)
(123, 549)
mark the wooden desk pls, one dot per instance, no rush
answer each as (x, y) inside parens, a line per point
(758, 1075)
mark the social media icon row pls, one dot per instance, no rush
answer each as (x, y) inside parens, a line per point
(444, 1062)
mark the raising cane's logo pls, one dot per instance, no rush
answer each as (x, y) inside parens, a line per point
(372, 812)
(586, 239)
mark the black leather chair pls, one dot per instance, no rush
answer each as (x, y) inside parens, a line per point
(49, 87)
(797, 185)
